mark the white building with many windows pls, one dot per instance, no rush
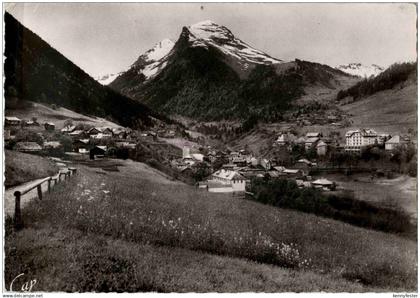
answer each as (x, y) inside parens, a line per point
(356, 139)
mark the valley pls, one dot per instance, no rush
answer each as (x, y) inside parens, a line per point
(209, 166)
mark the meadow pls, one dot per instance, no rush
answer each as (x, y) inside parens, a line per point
(22, 167)
(136, 230)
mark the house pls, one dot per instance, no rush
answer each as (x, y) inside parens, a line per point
(81, 145)
(239, 160)
(313, 135)
(12, 121)
(101, 136)
(394, 142)
(68, 129)
(28, 147)
(97, 151)
(119, 133)
(31, 123)
(80, 134)
(311, 142)
(304, 163)
(324, 184)
(125, 145)
(357, 139)
(254, 161)
(94, 131)
(107, 131)
(186, 152)
(321, 148)
(279, 169)
(265, 163)
(282, 140)
(293, 172)
(49, 126)
(226, 181)
(197, 156)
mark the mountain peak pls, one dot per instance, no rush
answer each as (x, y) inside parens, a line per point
(209, 34)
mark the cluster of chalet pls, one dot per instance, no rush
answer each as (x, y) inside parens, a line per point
(312, 140)
(84, 141)
(357, 139)
(93, 140)
(242, 167)
(11, 122)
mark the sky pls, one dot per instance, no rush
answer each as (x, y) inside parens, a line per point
(104, 38)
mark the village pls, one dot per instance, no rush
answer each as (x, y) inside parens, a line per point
(301, 158)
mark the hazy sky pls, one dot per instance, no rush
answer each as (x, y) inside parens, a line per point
(108, 37)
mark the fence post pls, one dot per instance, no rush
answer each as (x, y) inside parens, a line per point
(49, 184)
(18, 216)
(39, 189)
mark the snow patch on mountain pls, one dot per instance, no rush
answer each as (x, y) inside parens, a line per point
(107, 78)
(154, 60)
(208, 33)
(160, 50)
(358, 69)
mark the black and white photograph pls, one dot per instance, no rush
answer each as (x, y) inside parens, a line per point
(210, 147)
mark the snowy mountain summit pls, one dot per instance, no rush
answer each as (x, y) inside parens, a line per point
(154, 60)
(358, 69)
(209, 34)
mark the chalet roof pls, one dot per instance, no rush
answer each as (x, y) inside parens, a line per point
(364, 132)
(291, 171)
(76, 132)
(323, 182)
(280, 168)
(312, 140)
(12, 118)
(28, 146)
(52, 144)
(197, 156)
(95, 128)
(68, 128)
(84, 141)
(283, 138)
(228, 175)
(304, 160)
(313, 134)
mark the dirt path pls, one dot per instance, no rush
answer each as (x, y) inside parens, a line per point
(9, 197)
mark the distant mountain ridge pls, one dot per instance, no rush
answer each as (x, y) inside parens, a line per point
(360, 70)
(211, 74)
(37, 72)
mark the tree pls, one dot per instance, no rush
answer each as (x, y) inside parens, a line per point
(68, 122)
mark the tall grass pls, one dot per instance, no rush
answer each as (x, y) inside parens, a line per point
(129, 206)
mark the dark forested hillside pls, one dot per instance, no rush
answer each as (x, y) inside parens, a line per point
(395, 74)
(35, 71)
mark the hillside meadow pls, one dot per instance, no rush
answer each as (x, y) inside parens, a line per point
(136, 230)
(23, 167)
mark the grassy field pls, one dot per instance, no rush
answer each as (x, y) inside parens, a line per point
(392, 111)
(136, 230)
(58, 116)
(22, 167)
(399, 193)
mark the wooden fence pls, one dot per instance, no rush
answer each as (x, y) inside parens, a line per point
(18, 222)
